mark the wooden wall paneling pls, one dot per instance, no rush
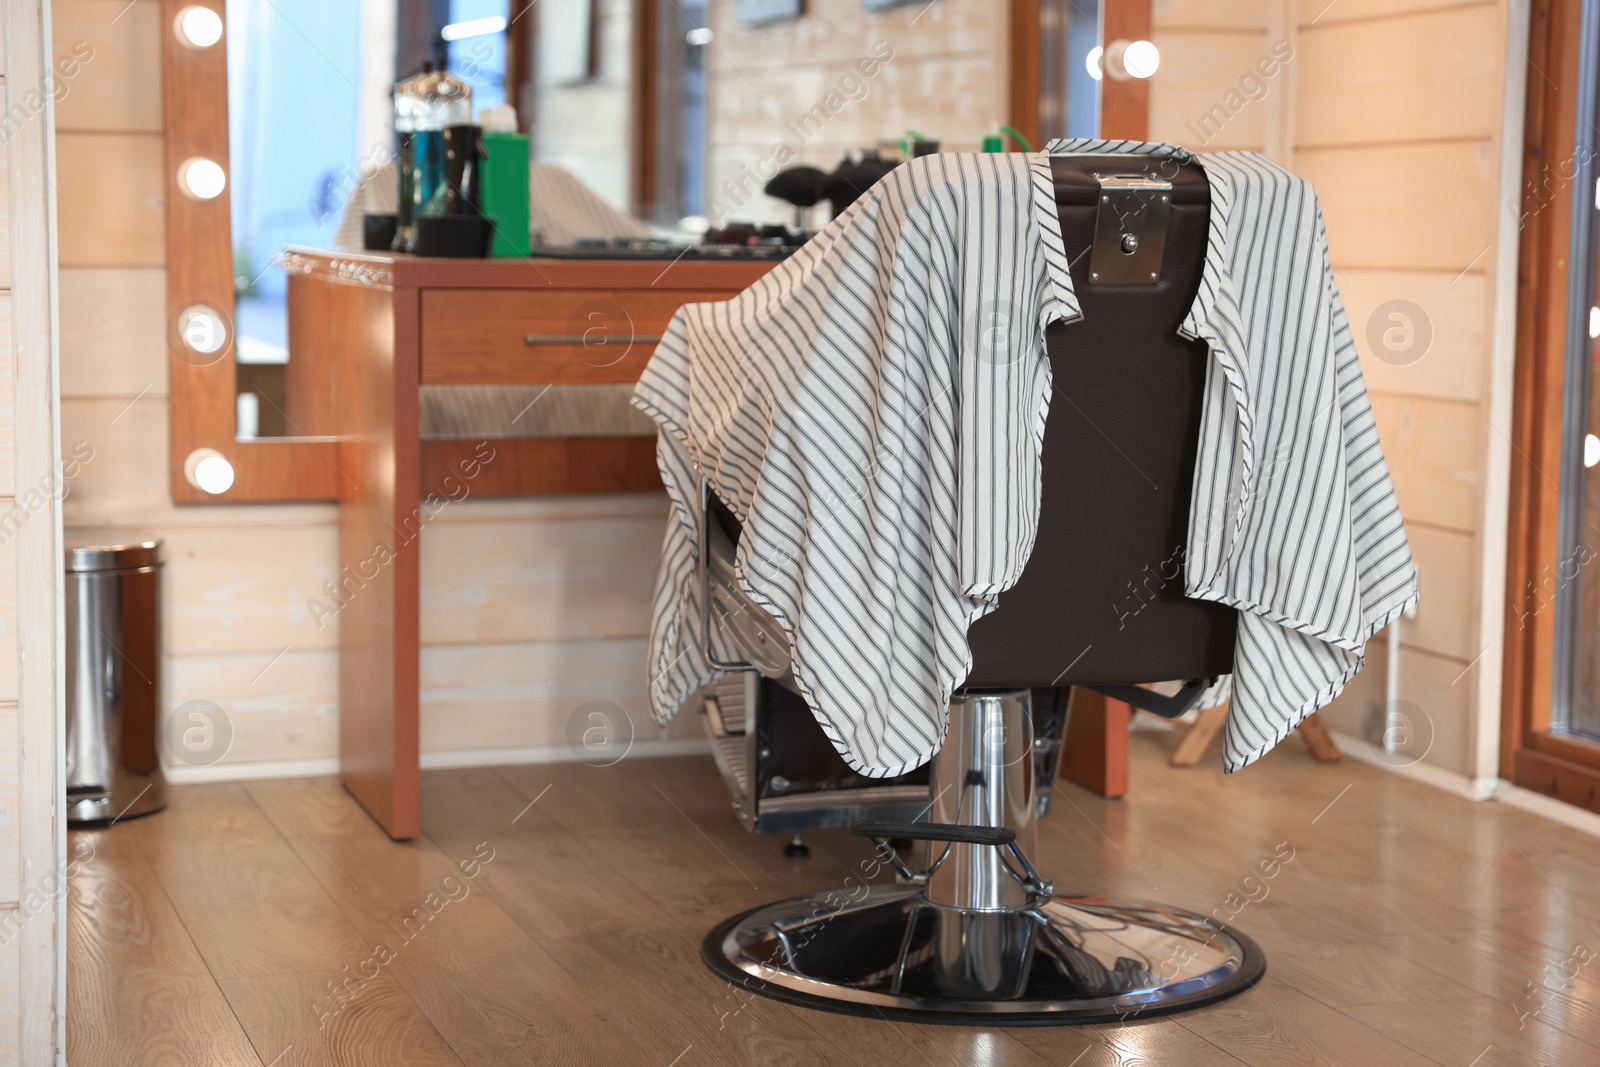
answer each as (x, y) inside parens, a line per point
(11, 1030)
(111, 200)
(113, 78)
(1322, 12)
(1210, 93)
(247, 588)
(380, 543)
(281, 705)
(1354, 710)
(10, 621)
(1437, 686)
(8, 409)
(113, 331)
(31, 978)
(1125, 105)
(1458, 307)
(5, 218)
(1405, 206)
(1446, 570)
(1213, 14)
(1432, 683)
(1529, 665)
(1429, 75)
(1434, 450)
(475, 696)
(539, 579)
(11, 813)
(539, 684)
(1199, 69)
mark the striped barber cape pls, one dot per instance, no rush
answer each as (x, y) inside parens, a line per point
(873, 412)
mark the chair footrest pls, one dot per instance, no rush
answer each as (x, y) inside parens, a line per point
(1168, 707)
(936, 831)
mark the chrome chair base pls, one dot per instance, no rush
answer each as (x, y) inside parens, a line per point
(978, 937)
(895, 955)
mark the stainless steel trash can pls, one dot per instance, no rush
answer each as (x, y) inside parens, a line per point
(113, 632)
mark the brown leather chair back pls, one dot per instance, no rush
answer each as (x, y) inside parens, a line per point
(1101, 599)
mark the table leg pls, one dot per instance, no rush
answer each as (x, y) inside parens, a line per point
(380, 527)
(1094, 750)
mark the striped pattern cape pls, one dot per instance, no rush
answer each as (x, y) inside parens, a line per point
(873, 412)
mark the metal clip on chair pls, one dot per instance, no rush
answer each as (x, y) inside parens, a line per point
(979, 936)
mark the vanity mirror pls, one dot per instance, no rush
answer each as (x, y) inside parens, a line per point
(647, 120)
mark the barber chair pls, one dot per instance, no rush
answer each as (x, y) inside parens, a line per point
(978, 936)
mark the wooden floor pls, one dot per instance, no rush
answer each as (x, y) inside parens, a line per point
(263, 924)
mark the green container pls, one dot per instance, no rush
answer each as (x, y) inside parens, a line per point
(505, 191)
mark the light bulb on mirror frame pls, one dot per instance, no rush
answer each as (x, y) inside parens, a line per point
(208, 471)
(203, 331)
(197, 27)
(1125, 60)
(201, 178)
(1141, 59)
(1091, 62)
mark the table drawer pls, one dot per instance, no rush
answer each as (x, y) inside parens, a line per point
(555, 336)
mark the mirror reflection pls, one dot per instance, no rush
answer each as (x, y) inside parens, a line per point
(600, 129)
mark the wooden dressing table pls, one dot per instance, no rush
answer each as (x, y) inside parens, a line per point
(366, 332)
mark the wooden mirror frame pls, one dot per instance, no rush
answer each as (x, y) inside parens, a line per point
(201, 411)
(199, 253)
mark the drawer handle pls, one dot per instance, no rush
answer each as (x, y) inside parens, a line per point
(580, 339)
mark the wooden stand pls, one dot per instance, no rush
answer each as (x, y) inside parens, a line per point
(1317, 738)
(1209, 721)
(1197, 738)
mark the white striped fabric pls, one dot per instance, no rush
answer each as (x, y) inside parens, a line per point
(873, 412)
